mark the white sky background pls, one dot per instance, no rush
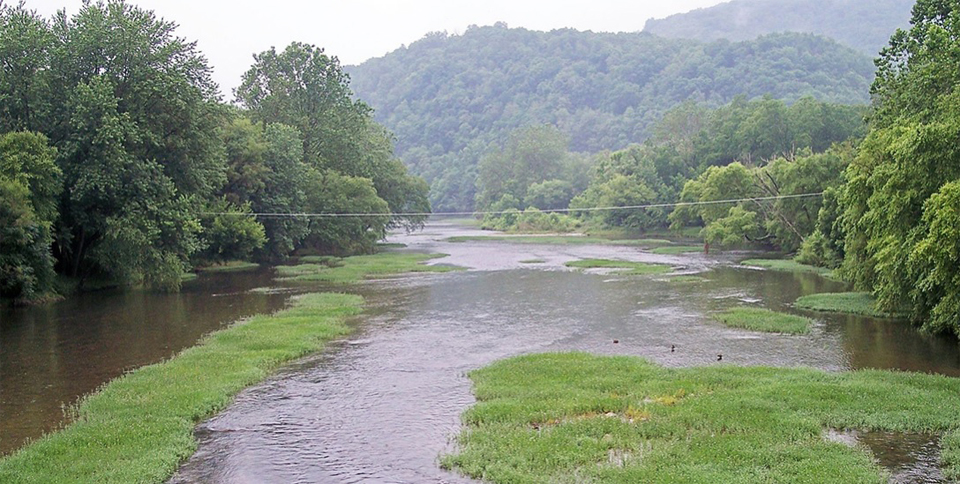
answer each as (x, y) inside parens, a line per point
(230, 32)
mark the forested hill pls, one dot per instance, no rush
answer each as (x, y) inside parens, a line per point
(863, 25)
(449, 97)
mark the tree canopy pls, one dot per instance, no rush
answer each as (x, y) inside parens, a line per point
(119, 160)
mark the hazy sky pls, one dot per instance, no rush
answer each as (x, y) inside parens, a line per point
(230, 32)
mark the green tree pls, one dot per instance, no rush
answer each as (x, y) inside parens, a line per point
(531, 155)
(229, 233)
(29, 186)
(304, 88)
(266, 170)
(26, 41)
(134, 116)
(549, 195)
(333, 193)
(901, 183)
(621, 191)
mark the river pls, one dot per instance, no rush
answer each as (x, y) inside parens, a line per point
(382, 405)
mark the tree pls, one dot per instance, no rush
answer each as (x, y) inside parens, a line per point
(304, 88)
(531, 155)
(266, 171)
(333, 193)
(549, 195)
(229, 233)
(26, 41)
(899, 193)
(29, 186)
(134, 116)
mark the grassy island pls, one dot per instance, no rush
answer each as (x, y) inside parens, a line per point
(623, 267)
(758, 319)
(842, 302)
(579, 418)
(355, 269)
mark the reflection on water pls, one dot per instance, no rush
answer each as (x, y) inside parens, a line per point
(53, 354)
(382, 406)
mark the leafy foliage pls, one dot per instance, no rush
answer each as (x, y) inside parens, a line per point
(897, 204)
(143, 145)
(229, 233)
(29, 186)
(451, 98)
(304, 88)
(783, 223)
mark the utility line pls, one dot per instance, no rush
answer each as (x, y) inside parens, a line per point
(502, 212)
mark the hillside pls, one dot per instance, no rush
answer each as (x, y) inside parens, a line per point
(865, 26)
(449, 97)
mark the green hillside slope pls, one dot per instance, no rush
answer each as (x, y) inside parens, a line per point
(448, 98)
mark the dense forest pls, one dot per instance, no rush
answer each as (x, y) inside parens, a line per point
(451, 99)
(119, 161)
(865, 26)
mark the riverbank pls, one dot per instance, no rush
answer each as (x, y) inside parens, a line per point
(139, 427)
(543, 418)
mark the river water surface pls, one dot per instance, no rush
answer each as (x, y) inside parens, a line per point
(382, 405)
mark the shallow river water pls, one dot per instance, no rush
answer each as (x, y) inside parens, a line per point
(384, 404)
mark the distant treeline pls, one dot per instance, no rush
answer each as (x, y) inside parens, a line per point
(744, 150)
(119, 161)
(865, 26)
(451, 98)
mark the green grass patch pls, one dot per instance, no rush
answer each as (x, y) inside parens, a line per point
(188, 276)
(787, 265)
(533, 261)
(758, 319)
(687, 279)
(232, 266)
(354, 269)
(678, 249)
(559, 240)
(385, 245)
(626, 267)
(861, 303)
(139, 427)
(581, 418)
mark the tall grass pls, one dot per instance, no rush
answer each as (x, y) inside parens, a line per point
(581, 418)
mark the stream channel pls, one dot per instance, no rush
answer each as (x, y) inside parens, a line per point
(383, 404)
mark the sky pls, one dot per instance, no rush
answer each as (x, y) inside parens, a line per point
(230, 32)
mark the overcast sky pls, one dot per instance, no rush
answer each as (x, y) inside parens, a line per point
(230, 32)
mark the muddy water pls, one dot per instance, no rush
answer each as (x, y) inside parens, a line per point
(52, 355)
(383, 405)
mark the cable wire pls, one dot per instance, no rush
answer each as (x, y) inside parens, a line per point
(502, 212)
